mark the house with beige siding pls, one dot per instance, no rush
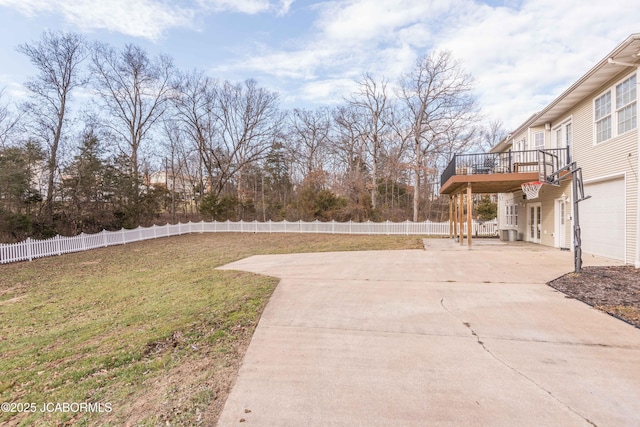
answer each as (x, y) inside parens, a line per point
(593, 126)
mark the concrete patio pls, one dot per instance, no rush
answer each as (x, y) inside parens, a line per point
(441, 336)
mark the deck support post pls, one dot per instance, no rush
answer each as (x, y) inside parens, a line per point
(469, 212)
(451, 232)
(460, 216)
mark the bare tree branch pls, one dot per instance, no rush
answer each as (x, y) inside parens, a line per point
(57, 56)
(439, 104)
(135, 90)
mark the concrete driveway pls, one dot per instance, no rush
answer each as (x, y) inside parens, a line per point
(441, 336)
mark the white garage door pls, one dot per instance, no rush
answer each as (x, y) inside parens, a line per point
(602, 219)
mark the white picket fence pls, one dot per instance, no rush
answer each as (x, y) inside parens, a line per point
(58, 245)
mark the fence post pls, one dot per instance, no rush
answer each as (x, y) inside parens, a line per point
(29, 249)
(58, 250)
(124, 241)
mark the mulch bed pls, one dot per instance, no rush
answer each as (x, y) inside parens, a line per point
(614, 290)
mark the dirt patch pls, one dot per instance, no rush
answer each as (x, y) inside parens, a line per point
(614, 290)
(12, 300)
(191, 393)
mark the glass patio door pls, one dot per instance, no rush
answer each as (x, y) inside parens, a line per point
(534, 222)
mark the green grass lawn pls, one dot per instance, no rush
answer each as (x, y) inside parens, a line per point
(150, 330)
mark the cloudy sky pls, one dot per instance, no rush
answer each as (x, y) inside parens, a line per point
(522, 53)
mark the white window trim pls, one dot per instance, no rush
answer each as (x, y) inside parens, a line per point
(613, 111)
(535, 140)
(562, 127)
(511, 213)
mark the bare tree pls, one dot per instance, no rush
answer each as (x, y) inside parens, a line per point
(348, 152)
(396, 160)
(491, 134)
(248, 121)
(372, 103)
(309, 134)
(134, 89)
(57, 57)
(438, 104)
(194, 103)
(347, 140)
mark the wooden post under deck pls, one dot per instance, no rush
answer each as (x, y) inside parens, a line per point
(460, 217)
(469, 212)
(450, 217)
(452, 197)
(455, 217)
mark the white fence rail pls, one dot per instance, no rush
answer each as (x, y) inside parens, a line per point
(30, 248)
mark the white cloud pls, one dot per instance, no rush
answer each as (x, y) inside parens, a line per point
(327, 91)
(347, 39)
(138, 18)
(250, 7)
(366, 21)
(285, 5)
(300, 64)
(522, 56)
(148, 19)
(11, 91)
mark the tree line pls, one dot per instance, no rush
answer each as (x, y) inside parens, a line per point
(112, 138)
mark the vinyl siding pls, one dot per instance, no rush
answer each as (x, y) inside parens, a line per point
(617, 156)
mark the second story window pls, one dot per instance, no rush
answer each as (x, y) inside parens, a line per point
(616, 110)
(626, 105)
(603, 117)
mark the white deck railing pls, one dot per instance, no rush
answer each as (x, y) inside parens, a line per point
(58, 245)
